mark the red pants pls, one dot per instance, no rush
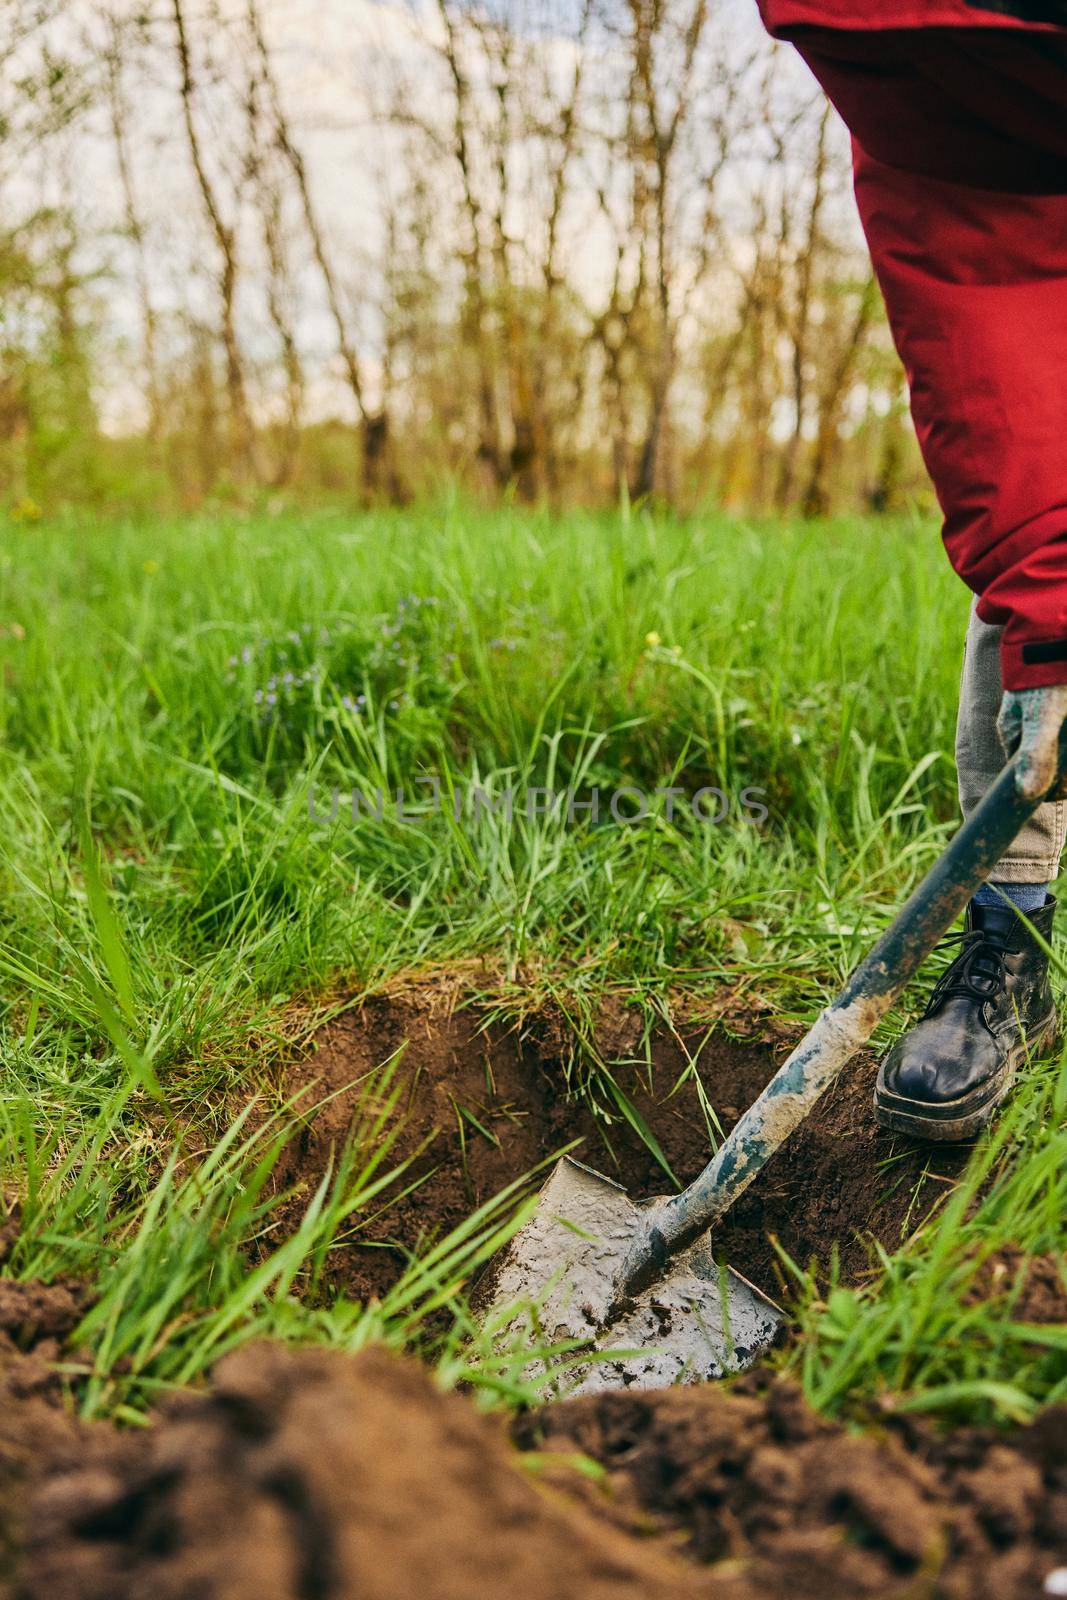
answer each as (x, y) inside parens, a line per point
(960, 144)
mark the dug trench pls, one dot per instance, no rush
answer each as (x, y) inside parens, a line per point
(313, 1475)
(480, 1103)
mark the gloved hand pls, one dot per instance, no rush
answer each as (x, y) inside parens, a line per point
(1029, 723)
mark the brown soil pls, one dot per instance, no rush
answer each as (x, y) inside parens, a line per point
(37, 1435)
(317, 1476)
(1036, 1285)
(481, 1105)
(751, 1475)
(31, 1312)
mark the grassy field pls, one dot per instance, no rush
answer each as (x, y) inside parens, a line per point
(181, 700)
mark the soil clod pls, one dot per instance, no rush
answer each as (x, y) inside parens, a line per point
(313, 1475)
(316, 1476)
(31, 1310)
(751, 1474)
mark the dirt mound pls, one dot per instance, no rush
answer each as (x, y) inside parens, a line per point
(752, 1475)
(480, 1105)
(37, 1434)
(317, 1476)
(31, 1310)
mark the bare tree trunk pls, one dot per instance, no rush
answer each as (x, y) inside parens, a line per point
(547, 333)
(800, 328)
(277, 281)
(612, 331)
(378, 472)
(268, 194)
(490, 447)
(226, 243)
(524, 465)
(883, 494)
(207, 429)
(657, 125)
(816, 498)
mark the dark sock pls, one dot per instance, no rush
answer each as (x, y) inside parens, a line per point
(1025, 897)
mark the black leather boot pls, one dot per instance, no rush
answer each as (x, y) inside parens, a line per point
(945, 1077)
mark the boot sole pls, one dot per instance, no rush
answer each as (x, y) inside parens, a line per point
(951, 1121)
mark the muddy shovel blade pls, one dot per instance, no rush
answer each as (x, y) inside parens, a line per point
(696, 1322)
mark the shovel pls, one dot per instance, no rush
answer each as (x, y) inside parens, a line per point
(635, 1285)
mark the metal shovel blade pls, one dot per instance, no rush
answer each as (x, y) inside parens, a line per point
(695, 1322)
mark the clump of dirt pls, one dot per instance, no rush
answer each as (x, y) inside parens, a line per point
(317, 1476)
(37, 1434)
(750, 1474)
(480, 1104)
(1037, 1285)
(31, 1311)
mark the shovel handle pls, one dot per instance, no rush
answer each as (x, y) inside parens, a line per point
(838, 1032)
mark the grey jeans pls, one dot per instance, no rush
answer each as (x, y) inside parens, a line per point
(1035, 855)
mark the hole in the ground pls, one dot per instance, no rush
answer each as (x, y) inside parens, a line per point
(489, 1105)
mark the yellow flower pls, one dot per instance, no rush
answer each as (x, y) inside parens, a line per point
(26, 510)
(652, 639)
(150, 567)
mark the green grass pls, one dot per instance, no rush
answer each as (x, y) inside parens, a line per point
(925, 1336)
(171, 879)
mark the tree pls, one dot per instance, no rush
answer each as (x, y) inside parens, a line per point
(224, 232)
(373, 423)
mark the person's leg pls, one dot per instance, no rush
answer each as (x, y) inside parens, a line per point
(970, 251)
(982, 330)
(1033, 860)
(944, 1078)
(975, 284)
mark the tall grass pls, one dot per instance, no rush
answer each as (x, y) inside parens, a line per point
(193, 1263)
(935, 1331)
(178, 702)
(198, 689)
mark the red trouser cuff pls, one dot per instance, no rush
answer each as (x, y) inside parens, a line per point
(1033, 663)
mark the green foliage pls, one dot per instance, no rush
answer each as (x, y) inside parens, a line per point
(49, 442)
(206, 686)
(186, 1264)
(172, 878)
(933, 1331)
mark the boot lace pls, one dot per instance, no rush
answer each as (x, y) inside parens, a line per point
(977, 972)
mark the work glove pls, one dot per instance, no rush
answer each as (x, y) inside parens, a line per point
(1029, 726)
